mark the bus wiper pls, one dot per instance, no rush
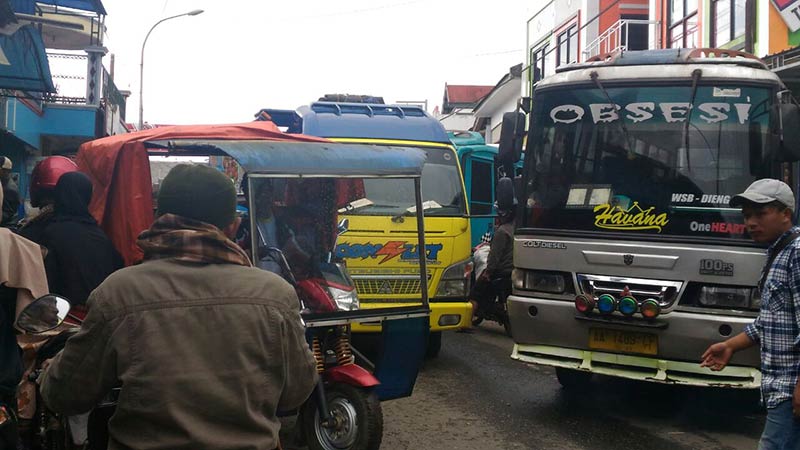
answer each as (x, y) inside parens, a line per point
(620, 121)
(696, 74)
(412, 210)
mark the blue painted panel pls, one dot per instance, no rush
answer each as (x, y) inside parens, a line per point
(69, 121)
(29, 126)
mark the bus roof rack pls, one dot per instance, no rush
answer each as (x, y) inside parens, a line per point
(668, 56)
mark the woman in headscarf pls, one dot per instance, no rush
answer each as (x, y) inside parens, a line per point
(22, 278)
(79, 254)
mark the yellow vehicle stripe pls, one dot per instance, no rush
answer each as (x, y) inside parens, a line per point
(392, 142)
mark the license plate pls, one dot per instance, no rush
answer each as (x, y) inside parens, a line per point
(623, 341)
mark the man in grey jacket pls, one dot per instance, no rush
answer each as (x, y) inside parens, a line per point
(206, 347)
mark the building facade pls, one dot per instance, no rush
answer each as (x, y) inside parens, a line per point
(754, 26)
(76, 99)
(568, 31)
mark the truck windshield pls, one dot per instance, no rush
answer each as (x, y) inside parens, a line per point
(442, 191)
(591, 166)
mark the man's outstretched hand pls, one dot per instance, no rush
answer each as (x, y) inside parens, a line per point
(717, 356)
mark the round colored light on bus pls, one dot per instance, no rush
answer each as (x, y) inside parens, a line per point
(628, 306)
(584, 304)
(606, 303)
(650, 308)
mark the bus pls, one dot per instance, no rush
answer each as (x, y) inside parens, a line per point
(379, 247)
(629, 261)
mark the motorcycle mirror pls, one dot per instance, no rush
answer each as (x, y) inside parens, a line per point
(343, 226)
(43, 314)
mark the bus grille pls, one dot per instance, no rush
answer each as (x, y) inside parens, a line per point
(387, 286)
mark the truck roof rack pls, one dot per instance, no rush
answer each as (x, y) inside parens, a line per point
(367, 109)
(668, 56)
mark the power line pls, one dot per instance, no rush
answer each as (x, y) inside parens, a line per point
(503, 52)
(357, 11)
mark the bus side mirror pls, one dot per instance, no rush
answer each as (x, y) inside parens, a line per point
(525, 104)
(511, 136)
(789, 133)
(505, 194)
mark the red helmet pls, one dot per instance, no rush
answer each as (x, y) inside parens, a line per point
(45, 176)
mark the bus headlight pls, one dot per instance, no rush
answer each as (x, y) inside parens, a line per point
(730, 297)
(541, 281)
(455, 280)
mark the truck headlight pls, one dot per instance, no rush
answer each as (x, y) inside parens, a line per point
(541, 281)
(455, 280)
(730, 297)
(346, 300)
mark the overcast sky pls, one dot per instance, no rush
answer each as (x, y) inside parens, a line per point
(243, 55)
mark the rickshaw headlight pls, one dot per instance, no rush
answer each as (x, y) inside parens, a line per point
(346, 300)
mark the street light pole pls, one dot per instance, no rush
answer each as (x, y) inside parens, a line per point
(141, 61)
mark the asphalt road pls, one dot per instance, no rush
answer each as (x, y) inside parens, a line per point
(473, 396)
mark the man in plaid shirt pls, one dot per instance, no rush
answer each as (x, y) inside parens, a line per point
(768, 206)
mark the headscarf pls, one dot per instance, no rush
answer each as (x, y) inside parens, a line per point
(72, 194)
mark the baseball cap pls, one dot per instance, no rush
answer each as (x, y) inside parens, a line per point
(765, 191)
(7, 164)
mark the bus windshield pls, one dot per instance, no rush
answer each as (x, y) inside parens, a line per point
(442, 191)
(624, 159)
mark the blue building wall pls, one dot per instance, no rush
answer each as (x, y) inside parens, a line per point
(26, 127)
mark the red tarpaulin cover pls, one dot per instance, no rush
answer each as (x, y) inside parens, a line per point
(119, 168)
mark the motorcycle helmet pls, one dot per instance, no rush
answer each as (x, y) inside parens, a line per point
(45, 176)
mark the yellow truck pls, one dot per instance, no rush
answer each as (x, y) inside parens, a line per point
(379, 248)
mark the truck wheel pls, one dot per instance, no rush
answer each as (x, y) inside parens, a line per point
(357, 420)
(434, 344)
(573, 379)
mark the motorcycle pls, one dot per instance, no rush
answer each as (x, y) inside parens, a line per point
(48, 430)
(491, 305)
(344, 411)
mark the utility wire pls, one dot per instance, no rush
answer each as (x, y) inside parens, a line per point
(358, 11)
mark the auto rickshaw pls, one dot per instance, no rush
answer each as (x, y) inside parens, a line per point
(310, 181)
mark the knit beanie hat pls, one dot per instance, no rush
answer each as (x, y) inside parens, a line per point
(198, 192)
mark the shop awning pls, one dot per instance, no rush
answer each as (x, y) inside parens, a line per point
(28, 6)
(23, 61)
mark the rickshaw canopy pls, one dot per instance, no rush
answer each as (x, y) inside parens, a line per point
(312, 159)
(119, 167)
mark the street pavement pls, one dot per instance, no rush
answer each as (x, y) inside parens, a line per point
(473, 396)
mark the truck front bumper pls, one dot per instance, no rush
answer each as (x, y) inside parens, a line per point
(444, 316)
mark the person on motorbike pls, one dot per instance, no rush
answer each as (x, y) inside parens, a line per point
(79, 254)
(10, 202)
(500, 261)
(22, 278)
(44, 178)
(206, 347)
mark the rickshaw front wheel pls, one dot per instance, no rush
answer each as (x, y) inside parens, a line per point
(356, 420)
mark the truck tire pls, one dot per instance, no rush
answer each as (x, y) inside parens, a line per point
(434, 344)
(572, 379)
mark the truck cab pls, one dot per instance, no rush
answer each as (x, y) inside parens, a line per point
(379, 248)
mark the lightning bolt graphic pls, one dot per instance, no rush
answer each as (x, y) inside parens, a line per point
(391, 249)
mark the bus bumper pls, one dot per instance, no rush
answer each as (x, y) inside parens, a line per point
(444, 316)
(553, 333)
(638, 367)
